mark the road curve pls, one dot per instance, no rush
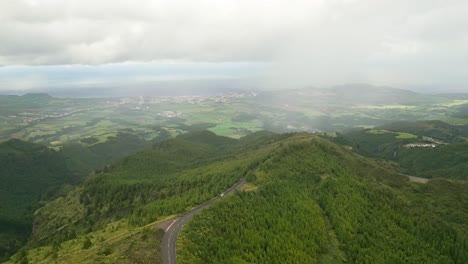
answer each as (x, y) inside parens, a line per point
(170, 237)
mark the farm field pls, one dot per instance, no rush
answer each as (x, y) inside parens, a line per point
(52, 121)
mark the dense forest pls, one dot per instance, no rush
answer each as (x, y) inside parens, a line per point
(316, 203)
(308, 200)
(164, 180)
(32, 174)
(28, 173)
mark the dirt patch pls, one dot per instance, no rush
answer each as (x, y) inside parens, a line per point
(166, 224)
(417, 179)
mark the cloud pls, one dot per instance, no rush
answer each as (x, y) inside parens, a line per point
(124, 75)
(96, 32)
(307, 42)
(396, 43)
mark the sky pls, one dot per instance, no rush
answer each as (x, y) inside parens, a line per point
(274, 44)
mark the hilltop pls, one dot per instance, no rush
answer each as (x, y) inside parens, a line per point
(307, 200)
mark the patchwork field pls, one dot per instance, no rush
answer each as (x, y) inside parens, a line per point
(55, 121)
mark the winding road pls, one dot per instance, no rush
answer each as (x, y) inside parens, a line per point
(170, 236)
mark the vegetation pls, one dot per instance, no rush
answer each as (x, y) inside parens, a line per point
(376, 215)
(55, 122)
(434, 129)
(307, 201)
(82, 159)
(29, 173)
(114, 243)
(430, 149)
(164, 180)
(446, 161)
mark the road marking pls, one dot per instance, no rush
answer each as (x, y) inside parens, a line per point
(170, 225)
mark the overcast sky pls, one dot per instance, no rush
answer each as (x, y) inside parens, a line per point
(280, 43)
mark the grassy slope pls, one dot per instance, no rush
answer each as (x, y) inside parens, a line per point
(116, 242)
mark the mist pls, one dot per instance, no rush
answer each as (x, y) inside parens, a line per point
(117, 46)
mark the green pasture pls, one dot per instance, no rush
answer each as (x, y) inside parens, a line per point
(455, 103)
(399, 135)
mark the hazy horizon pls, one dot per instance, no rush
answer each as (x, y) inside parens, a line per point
(68, 46)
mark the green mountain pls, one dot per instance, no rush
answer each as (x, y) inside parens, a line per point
(307, 201)
(317, 203)
(163, 180)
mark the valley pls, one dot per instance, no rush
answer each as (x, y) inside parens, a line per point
(233, 132)
(54, 122)
(154, 185)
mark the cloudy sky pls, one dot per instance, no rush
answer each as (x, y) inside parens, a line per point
(417, 44)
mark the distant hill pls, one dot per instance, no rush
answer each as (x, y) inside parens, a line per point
(432, 128)
(444, 151)
(12, 104)
(455, 95)
(307, 201)
(28, 97)
(37, 95)
(343, 107)
(346, 95)
(380, 95)
(81, 159)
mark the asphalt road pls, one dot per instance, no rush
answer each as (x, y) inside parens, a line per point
(170, 237)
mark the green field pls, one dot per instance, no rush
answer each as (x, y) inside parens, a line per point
(56, 121)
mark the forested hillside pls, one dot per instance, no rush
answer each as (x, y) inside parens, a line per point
(81, 159)
(31, 174)
(166, 179)
(307, 201)
(316, 203)
(28, 173)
